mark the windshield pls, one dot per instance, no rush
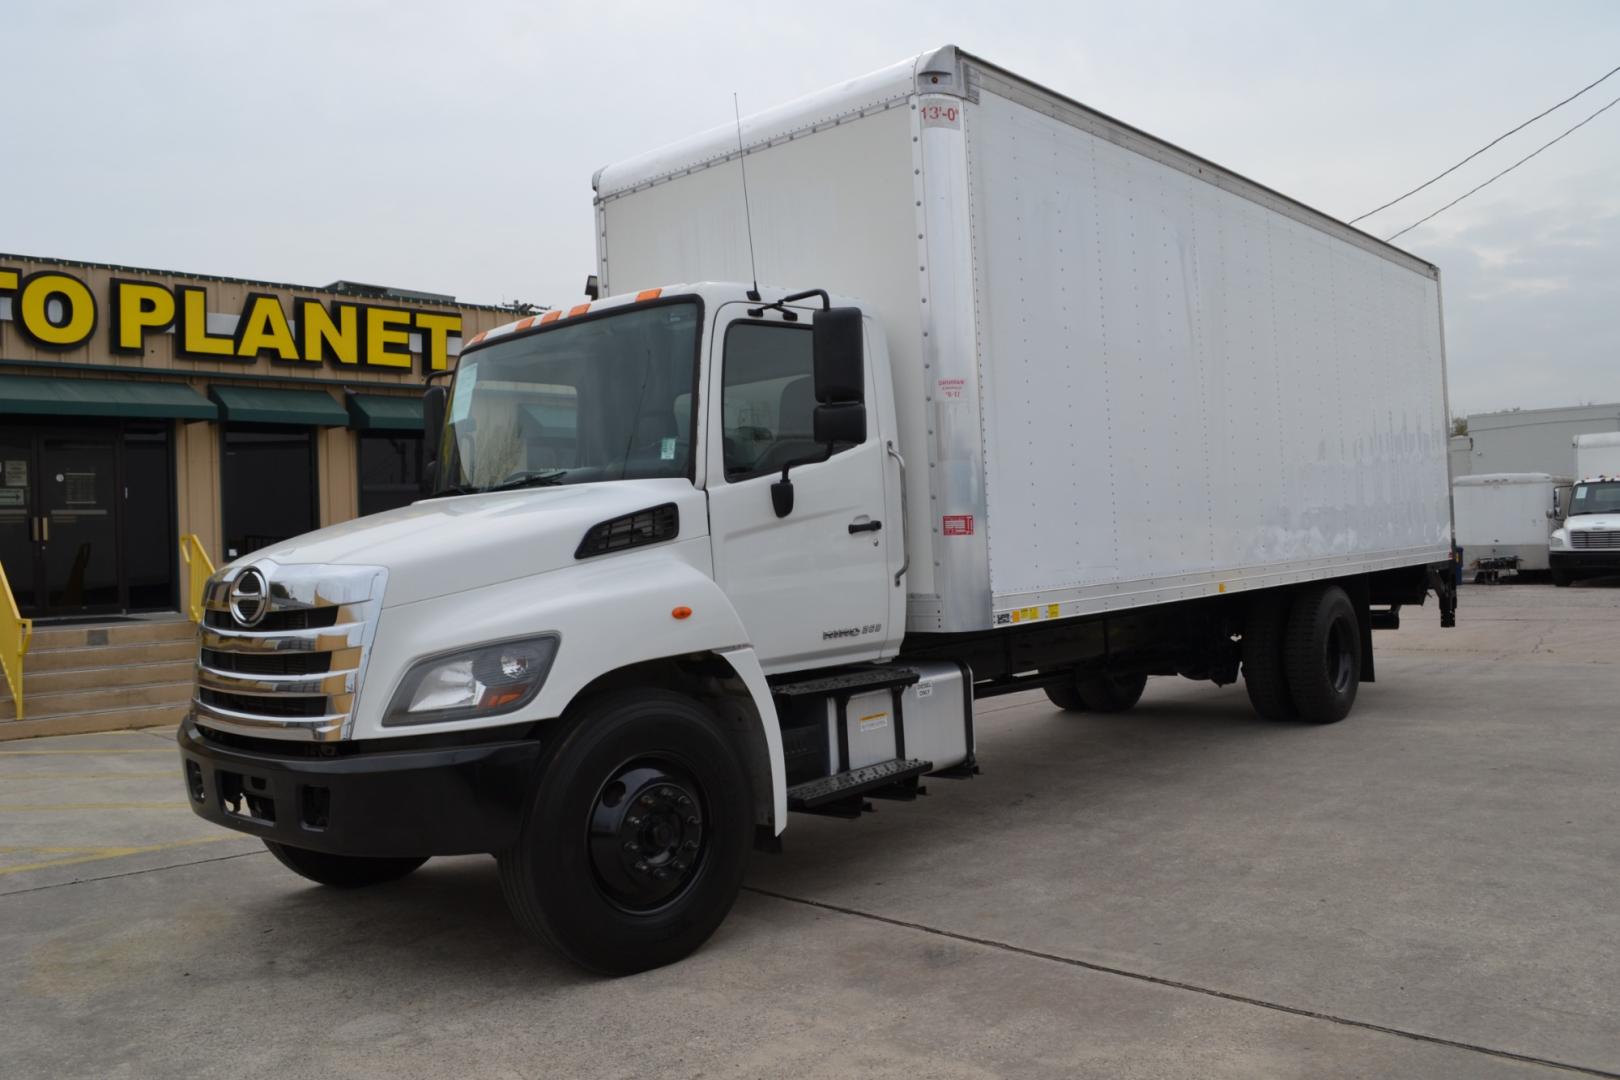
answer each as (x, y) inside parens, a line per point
(1595, 499)
(603, 399)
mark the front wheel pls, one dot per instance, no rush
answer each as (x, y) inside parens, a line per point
(635, 837)
(1560, 577)
(341, 871)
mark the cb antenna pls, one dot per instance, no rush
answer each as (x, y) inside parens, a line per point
(742, 163)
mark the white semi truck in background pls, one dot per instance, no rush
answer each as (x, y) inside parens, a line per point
(1505, 521)
(1039, 401)
(1587, 544)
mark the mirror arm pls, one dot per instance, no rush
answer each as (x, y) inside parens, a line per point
(782, 490)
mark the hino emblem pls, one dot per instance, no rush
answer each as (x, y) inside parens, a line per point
(250, 597)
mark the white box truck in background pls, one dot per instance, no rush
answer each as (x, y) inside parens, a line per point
(1588, 543)
(1505, 521)
(1038, 401)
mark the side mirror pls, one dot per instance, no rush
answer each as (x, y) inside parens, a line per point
(434, 400)
(839, 356)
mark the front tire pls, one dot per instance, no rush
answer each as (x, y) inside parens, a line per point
(1560, 577)
(341, 871)
(1322, 655)
(634, 841)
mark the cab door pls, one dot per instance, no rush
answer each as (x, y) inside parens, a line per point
(812, 587)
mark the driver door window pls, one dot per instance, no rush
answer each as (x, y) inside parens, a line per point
(767, 399)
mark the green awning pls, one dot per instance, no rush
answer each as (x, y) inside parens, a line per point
(38, 396)
(296, 408)
(375, 412)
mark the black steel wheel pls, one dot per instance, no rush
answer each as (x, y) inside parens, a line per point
(341, 871)
(1263, 670)
(635, 835)
(1322, 654)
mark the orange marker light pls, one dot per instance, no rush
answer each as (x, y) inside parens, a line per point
(682, 612)
(477, 338)
(579, 310)
(523, 324)
(648, 294)
(551, 316)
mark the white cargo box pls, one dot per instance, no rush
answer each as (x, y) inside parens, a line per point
(1123, 374)
(1505, 516)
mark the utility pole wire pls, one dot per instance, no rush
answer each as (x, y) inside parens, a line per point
(1507, 170)
(1484, 148)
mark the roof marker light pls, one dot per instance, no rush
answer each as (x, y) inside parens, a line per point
(579, 309)
(648, 294)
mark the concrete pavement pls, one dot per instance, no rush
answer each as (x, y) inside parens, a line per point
(1425, 890)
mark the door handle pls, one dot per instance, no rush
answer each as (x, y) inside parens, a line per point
(45, 529)
(865, 526)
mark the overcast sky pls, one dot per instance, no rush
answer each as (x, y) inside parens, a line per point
(449, 146)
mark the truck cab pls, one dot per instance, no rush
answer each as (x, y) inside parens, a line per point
(1587, 543)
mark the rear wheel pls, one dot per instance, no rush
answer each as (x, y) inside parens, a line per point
(633, 844)
(1098, 693)
(1263, 671)
(1112, 693)
(341, 871)
(1322, 654)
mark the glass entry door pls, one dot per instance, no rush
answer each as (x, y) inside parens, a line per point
(77, 490)
(65, 538)
(19, 519)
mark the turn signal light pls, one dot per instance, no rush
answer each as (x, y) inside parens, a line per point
(682, 612)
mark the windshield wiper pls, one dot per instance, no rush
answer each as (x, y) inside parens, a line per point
(530, 478)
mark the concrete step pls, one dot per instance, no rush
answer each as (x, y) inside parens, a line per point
(78, 659)
(98, 699)
(48, 638)
(84, 723)
(50, 682)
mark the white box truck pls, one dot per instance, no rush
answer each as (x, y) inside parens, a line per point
(1505, 521)
(1039, 401)
(1588, 542)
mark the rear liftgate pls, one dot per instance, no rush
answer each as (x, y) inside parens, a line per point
(874, 733)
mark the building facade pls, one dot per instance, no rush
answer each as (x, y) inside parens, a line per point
(1528, 440)
(137, 406)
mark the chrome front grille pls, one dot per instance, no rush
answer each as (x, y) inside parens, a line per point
(1595, 539)
(295, 673)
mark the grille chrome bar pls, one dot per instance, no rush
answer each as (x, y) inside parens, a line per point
(1599, 539)
(330, 611)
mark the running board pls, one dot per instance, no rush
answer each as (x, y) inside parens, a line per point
(840, 794)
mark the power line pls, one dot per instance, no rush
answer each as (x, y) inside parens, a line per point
(1507, 170)
(1484, 148)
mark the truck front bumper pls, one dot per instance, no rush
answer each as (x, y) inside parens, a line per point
(364, 798)
(1585, 562)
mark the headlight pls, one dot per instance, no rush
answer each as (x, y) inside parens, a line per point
(483, 681)
(1556, 540)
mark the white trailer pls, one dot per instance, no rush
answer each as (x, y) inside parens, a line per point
(1587, 543)
(1505, 520)
(1037, 400)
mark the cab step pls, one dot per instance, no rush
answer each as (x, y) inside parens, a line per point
(840, 795)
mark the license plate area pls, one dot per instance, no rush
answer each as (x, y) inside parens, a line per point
(246, 796)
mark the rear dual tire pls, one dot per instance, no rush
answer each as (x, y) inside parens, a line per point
(1302, 655)
(1099, 693)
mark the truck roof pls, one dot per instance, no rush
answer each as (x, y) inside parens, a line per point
(947, 69)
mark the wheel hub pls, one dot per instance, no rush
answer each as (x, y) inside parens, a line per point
(647, 837)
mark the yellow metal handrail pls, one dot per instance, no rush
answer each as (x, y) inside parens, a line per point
(15, 634)
(199, 570)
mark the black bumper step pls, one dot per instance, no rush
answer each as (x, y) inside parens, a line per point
(814, 795)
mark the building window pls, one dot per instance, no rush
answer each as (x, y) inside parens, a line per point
(268, 483)
(390, 470)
